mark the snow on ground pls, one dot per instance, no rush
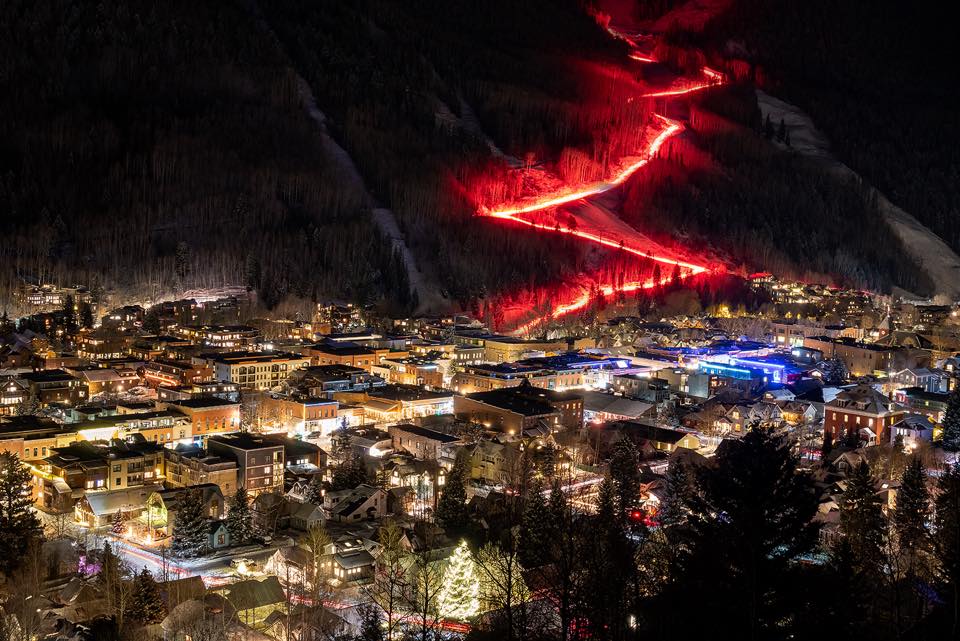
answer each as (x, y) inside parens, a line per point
(384, 218)
(936, 258)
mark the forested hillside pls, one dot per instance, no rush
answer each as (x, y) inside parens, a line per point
(150, 147)
(877, 77)
(729, 187)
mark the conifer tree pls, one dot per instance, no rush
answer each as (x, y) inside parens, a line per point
(947, 541)
(459, 596)
(190, 528)
(536, 529)
(18, 524)
(349, 474)
(951, 422)
(117, 526)
(625, 476)
(913, 507)
(747, 529)
(146, 606)
(452, 506)
(240, 518)
(861, 520)
(679, 504)
(313, 493)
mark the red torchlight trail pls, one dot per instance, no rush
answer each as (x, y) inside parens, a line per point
(641, 57)
(514, 212)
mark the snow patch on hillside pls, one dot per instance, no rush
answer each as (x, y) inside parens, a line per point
(936, 258)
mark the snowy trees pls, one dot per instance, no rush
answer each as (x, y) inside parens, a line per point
(239, 518)
(190, 527)
(502, 588)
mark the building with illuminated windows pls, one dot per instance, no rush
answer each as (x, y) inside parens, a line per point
(861, 411)
(260, 460)
(256, 370)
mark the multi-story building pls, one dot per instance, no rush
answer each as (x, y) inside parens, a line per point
(506, 349)
(208, 415)
(517, 409)
(260, 461)
(921, 401)
(420, 442)
(393, 403)
(860, 359)
(215, 389)
(220, 336)
(483, 378)
(410, 371)
(110, 380)
(350, 355)
(159, 426)
(100, 345)
(32, 438)
(324, 380)
(257, 370)
(861, 408)
(301, 415)
(172, 373)
(13, 392)
(187, 465)
(55, 387)
(70, 472)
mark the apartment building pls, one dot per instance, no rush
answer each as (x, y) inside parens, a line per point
(257, 370)
(260, 460)
(187, 465)
(208, 415)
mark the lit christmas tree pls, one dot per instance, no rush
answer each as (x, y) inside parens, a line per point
(459, 596)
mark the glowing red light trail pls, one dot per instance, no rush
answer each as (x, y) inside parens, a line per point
(515, 212)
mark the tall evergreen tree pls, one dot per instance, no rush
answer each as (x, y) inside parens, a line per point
(947, 544)
(625, 476)
(452, 507)
(349, 474)
(679, 500)
(190, 527)
(69, 314)
(86, 316)
(240, 518)
(951, 422)
(913, 507)
(459, 596)
(18, 524)
(752, 523)
(536, 529)
(146, 605)
(608, 567)
(861, 519)
(912, 560)
(314, 491)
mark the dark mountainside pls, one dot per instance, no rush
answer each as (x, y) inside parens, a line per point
(876, 79)
(146, 149)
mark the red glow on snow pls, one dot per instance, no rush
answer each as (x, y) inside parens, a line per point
(556, 195)
(641, 57)
(547, 202)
